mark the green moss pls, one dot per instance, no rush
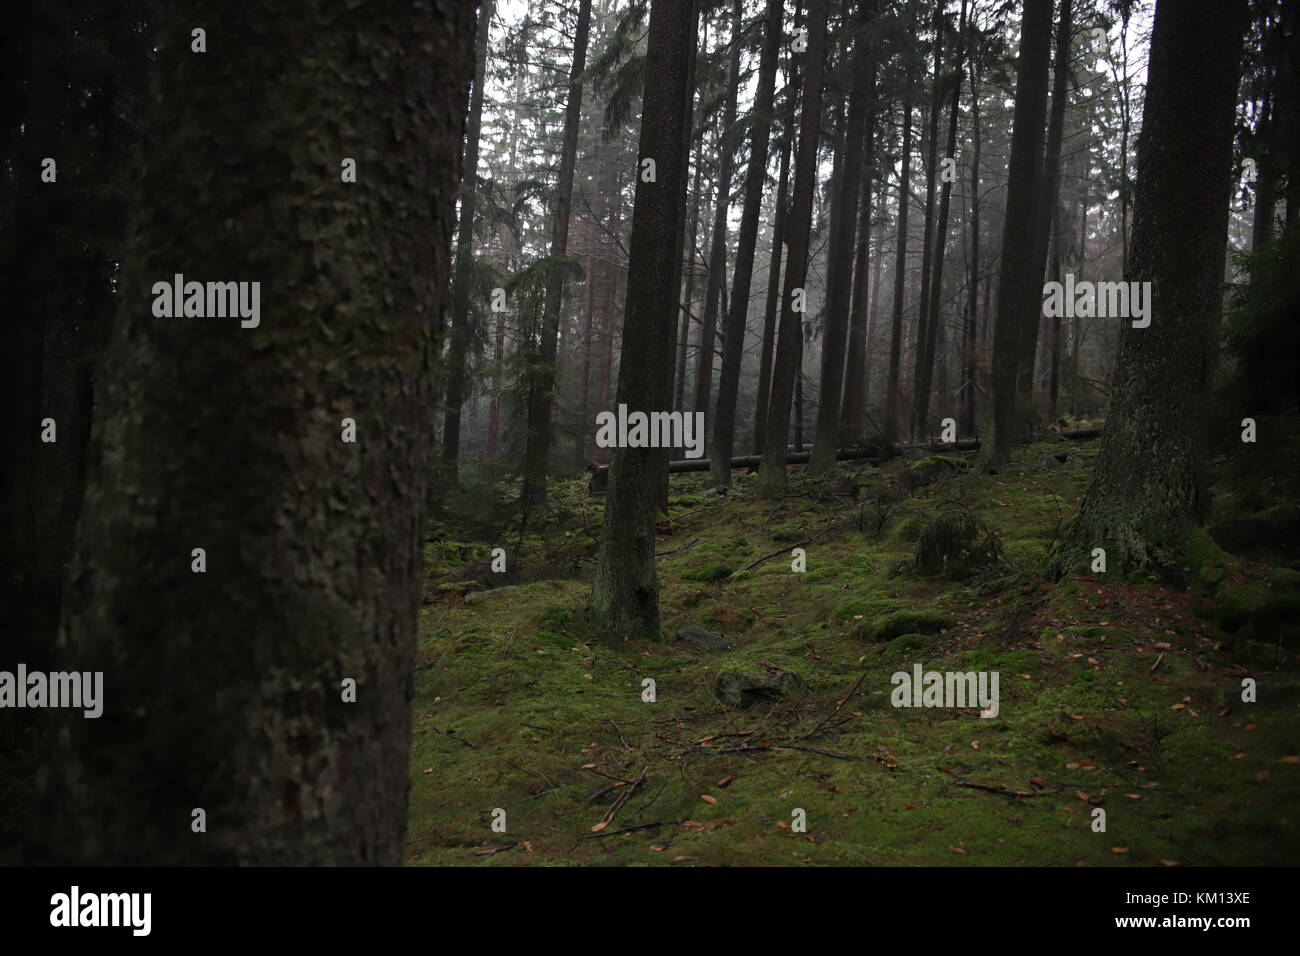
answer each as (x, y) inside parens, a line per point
(498, 724)
(706, 572)
(866, 608)
(908, 645)
(909, 622)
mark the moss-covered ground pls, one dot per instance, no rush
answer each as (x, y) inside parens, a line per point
(1119, 694)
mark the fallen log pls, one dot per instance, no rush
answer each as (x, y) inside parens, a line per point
(873, 454)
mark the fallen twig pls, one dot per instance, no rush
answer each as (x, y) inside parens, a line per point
(631, 829)
(773, 554)
(838, 706)
(618, 804)
(991, 789)
(663, 554)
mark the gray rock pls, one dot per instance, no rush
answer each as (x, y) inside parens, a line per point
(746, 689)
(705, 639)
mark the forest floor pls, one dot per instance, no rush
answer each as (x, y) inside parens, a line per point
(1123, 694)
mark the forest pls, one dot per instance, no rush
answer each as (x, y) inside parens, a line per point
(650, 433)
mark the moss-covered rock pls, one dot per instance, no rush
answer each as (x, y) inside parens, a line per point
(711, 571)
(737, 688)
(908, 622)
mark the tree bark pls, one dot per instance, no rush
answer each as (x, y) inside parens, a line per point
(900, 279)
(461, 327)
(1017, 282)
(222, 690)
(541, 396)
(1149, 489)
(927, 233)
(1046, 210)
(718, 250)
(970, 332)
(839, 300)
(625, 593)
(925, 366)
(789, 347)
(773, 299)
(724, 419)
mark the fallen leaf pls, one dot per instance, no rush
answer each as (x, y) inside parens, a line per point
(726, 780)
(1119, 849)
(708, 799)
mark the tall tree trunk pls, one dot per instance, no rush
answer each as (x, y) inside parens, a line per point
(36, 298)
(718, 250)
(839, 300)
(625, 593)
(925, 365)
(900, 278)
(224, 689)
(773, 299)
(461, 324)
(1018, 282)
(542, 385)
(789, 346)
(1149, 487)
(588, 324)
(853, 416)
(724, 419)
(970, 333)
(873, 320)
(609, 312)
(928, 237)
(684, 331)
(1046, 210)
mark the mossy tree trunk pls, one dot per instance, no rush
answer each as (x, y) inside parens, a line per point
(223, 689)
(625, 593)
(1149, 487)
